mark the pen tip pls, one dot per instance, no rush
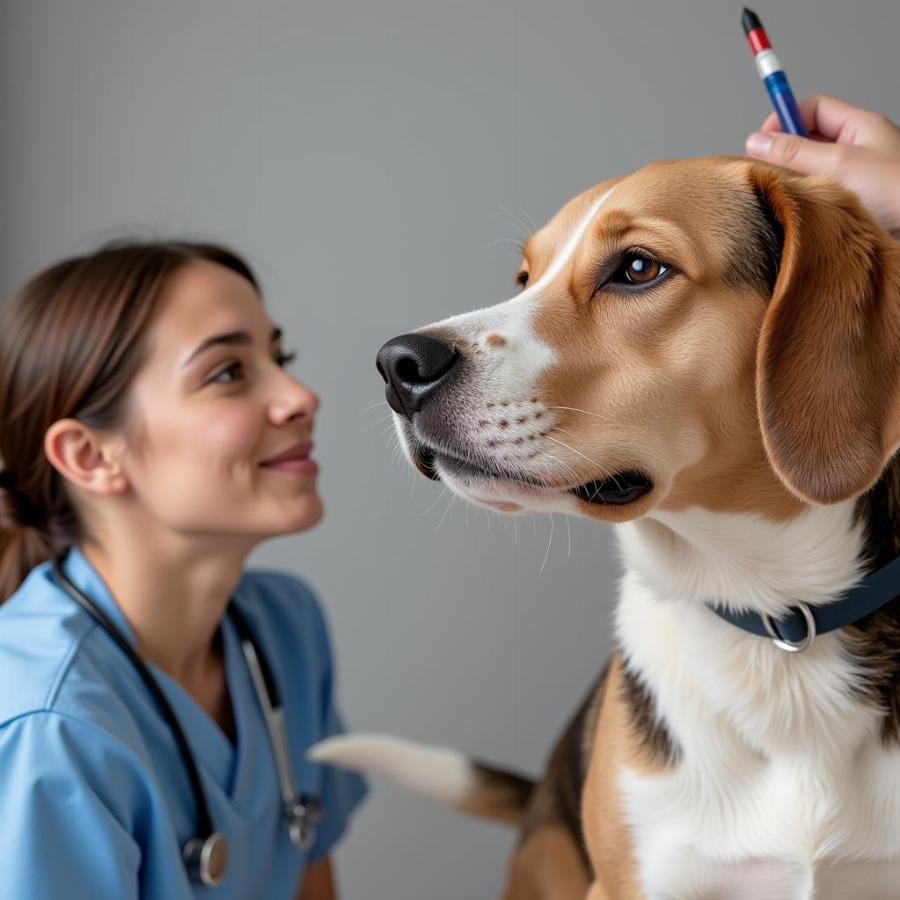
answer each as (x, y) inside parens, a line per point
(750, 20)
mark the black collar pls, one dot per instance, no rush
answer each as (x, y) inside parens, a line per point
(802, 623)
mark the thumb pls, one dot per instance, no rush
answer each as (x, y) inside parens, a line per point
(793, 152)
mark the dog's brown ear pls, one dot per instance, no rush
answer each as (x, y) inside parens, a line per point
(827, 361)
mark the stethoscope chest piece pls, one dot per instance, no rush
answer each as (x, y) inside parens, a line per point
(302, 815)
(206, 859)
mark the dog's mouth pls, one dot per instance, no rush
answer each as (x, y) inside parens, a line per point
(615, 490)
(618, 489)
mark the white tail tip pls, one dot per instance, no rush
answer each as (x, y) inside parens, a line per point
(436, 772)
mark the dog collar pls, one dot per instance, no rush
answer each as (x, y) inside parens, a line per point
(800, 625)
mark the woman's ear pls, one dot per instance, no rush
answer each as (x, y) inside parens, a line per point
(84, 458)
(827, 373)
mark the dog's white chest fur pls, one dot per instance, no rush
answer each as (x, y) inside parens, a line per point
(783, 788)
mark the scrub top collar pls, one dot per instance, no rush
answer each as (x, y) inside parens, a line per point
(212, 748)
(224, 760)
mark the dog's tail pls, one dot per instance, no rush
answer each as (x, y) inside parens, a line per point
(445, 775)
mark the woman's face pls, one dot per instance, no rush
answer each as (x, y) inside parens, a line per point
(218, 434)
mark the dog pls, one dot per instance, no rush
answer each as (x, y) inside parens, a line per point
(705, 354)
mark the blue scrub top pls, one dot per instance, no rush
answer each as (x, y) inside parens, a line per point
(95, 801)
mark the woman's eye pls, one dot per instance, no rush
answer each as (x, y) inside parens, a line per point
(639, 269)
(233, 371)
(284, 359)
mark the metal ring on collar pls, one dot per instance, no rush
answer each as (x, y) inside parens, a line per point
(792, 646)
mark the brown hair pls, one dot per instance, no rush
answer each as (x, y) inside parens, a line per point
(71, 340)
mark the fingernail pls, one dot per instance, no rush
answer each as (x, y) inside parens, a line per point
(759, 143)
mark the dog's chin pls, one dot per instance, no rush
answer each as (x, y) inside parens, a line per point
(618, 497)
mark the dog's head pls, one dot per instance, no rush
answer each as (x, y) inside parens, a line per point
(713, 332)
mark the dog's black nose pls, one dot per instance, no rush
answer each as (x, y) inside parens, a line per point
(413, 366)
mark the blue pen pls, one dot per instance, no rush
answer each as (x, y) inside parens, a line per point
(773, 75)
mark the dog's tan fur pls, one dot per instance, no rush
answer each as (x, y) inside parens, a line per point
(616, 743)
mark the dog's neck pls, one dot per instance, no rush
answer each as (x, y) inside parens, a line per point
(751, 563)
(746, 562)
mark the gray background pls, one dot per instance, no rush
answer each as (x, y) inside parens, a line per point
(368, 158)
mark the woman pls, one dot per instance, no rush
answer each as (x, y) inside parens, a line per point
(149, 439)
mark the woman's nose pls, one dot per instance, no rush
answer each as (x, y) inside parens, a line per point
(294, 401)
(413, 367)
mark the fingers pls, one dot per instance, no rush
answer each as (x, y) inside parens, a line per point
(772, 123)
(834, 119)
(807, 108)
(797, 153)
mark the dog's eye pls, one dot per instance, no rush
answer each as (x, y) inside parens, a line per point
(639, 269)
(522, 279)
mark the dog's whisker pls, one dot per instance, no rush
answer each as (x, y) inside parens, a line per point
(585, 411)
(573, 450)
(433, 505)
(521, 218)
(524, 226)
(547, 554)
(378, 422)
(517, 244)
(520, 236)
(446, 511)
(529, 221)
(605, 473)
(571, 434)
(415, 481)
(373, 406)
(515, 223)
(396, 451)
(510, 222)
(567, 468)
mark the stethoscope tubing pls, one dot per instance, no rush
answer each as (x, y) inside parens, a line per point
(206, 856)
(204, 820)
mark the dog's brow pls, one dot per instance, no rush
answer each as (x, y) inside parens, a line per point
(567, 250)
(671, 239)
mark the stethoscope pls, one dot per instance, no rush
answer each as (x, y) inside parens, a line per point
(206, 856)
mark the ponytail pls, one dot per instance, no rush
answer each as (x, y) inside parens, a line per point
(23, 544)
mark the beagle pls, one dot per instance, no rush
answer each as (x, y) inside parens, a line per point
(704, 353)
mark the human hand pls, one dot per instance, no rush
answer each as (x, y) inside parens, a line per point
(858, 147)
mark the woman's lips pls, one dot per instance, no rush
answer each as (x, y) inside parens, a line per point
(295, 459)
(297, 466)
